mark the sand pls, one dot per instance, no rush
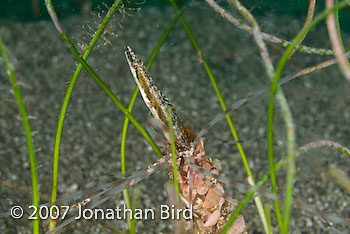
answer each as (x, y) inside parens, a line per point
(90, 146)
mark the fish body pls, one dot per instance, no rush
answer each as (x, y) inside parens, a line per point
(203, 194)
(155, 100)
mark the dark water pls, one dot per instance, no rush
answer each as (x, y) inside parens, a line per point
(24, 10)
(91, 137)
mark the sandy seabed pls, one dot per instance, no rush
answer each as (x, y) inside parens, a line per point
(90, 146)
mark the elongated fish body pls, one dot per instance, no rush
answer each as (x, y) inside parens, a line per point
(155, 100)
(204, 195)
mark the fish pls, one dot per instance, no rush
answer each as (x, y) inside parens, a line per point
(204, 195)
(198, 176)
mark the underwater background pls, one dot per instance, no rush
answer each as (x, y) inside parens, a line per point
(23, 10)
(90, 146)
